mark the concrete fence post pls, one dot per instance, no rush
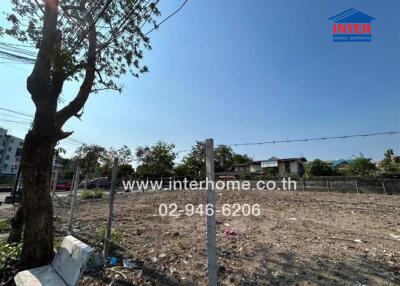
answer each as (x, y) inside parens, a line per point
(328, 186)
(73, 199)
(356, 184)
(211, 225)
(384, 187)
(110, 209)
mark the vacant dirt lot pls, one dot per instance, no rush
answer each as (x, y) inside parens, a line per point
(300, 238)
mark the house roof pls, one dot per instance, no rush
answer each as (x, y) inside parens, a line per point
(242, 164)
(338, 162)
(293, 159)
(352, 16)
(272, 159)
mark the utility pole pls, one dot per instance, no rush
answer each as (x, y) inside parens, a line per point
(211, 225)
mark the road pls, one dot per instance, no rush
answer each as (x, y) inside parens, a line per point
(62, 194)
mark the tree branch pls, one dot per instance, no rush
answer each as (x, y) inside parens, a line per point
(105, 84)
(37, 3)
(62, 135)
(58, 75)
(121, 26)
(38, 81)
(92, 23)
(73, 108)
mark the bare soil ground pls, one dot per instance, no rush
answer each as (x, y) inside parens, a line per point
(300, 238)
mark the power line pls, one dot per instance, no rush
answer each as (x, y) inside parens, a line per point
(168, 17)
(311, 139)
(93, 24)
(13, 121)
(365, 135)
(301, 140)
(16, 112)
(17, 53)
(92, 138)
(17, 45)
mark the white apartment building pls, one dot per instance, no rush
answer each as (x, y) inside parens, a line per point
(10, 153)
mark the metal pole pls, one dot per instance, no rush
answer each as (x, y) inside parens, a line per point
(73, 199)
(86, 179)
(55, 178)
(304, 186)
(16, 184)
(328, 186)
(110, 210)
(211, 226)
(71, 189)
(97, 179)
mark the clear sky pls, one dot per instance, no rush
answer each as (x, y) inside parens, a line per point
(247, 71)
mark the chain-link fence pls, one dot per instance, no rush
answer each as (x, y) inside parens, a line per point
(138, 243)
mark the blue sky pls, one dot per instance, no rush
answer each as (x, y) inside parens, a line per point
(248, 71)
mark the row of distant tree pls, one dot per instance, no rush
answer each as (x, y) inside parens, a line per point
(360, 166)
(156, 161)
(159, 161)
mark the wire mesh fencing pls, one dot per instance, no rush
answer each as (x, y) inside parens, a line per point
(128, 229)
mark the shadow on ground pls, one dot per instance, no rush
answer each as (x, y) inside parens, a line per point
(274, 267)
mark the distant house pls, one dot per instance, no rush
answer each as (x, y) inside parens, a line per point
(58, 163)
(273, 166)
(250, 167)
(340, 164)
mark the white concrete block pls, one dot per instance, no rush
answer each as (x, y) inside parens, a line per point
(65, 270)
(40, 276)
(71, 259)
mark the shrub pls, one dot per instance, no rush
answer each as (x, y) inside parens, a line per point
(362, 166)
(116, 236)
(182, 243)
(10, 254)
(95, 194)
(4, 225)
(87, 195)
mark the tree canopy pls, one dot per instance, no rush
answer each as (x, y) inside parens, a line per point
(97, 160)
(90, 158)
(155, 161)
(391, 163)
(93, 42)
(318, 167)
(361, 166)
(194, 163)
(104, 35)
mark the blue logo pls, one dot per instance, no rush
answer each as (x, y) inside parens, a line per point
(352, 26)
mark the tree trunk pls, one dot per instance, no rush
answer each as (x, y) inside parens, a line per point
(37, 161)
(45, 85)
